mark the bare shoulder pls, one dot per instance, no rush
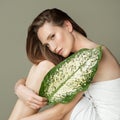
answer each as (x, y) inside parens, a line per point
(105, 49)
(109, 67)
(108, 55)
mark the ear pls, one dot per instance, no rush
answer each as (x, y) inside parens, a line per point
(68, 25)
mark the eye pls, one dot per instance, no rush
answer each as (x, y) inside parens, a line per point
(52, 37)
(47, 45)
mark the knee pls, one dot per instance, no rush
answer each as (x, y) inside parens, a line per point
(37, 74)
(44, 65)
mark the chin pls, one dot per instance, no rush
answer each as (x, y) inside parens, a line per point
(65, 54)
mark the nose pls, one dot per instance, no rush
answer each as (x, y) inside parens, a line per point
(52, 46)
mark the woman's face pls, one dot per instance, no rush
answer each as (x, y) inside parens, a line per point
(58, 39)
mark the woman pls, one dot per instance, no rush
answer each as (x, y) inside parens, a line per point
(53, 36)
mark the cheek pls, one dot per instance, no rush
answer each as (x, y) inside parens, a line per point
(60, 39)
(63, 39)
(68, 43)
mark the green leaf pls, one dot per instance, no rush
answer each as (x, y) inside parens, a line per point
(74, 74)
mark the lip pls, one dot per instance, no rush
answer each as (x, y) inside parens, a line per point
(59, 51)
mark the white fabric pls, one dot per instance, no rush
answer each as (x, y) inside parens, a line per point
(101, 102)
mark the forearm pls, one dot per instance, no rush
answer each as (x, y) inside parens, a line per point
(49, 114)
(58, 112)
(54, 113)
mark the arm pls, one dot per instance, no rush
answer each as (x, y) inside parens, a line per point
(28, 96)
(58, 112)
(33, 81)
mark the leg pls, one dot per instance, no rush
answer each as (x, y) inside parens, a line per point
(33, 81)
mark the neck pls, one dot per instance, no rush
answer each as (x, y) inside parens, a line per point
(81, 42)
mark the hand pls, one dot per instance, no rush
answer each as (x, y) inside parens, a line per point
(29, 97)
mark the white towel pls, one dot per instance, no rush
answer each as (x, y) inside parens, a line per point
(101, 102)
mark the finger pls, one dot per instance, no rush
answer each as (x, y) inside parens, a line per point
(39, 98)
(41, 103)
(34, 106)
(32, 100)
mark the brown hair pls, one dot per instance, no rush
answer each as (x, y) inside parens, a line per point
(35, 50)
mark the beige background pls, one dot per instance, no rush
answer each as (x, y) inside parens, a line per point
(100, 19)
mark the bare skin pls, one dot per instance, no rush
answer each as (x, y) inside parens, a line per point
(63, 41)
(67, 40)
(107, 62)
(32, 83)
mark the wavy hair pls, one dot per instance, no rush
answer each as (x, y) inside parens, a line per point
(34, 48)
